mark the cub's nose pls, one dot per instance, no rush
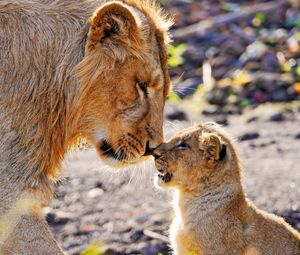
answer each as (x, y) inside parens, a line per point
(156, 154)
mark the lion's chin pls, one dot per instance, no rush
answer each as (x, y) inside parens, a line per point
(115, 163)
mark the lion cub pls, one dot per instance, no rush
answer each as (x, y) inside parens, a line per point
(213, 215)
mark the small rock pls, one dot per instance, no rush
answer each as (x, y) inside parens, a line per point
(273, 36)
(223, 61)
(219, 72)
(210, 111)
(254, 51)
(233, 47)
(155, 248)
(277, 117)
(51, 218)
(99, 185)
(270, 62)
(71, 245)
(195, 54)
(252, 119)
(109, 251)
(297, 136)
(177, 115)
(249, 136)
(260, 97)
(252, 66)
(279, 96)
(58, 218)
(96, 192)
(86, 229)
(293, 217)
(222, 120)
(218, 96)
(137, 235)
(212, 51)
(293, 44)
(262, 145)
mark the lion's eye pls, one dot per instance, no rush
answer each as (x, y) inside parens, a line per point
(144, 87)
(183, 145)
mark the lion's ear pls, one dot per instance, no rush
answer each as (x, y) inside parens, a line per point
(114, 23)
(212, 147)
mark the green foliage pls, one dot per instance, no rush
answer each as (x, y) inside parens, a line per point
(232, 98)
(298, 70)
(96, 248)
(245, 102)
(286, 67)
(175, 54)
(261, 17)
(173, 97)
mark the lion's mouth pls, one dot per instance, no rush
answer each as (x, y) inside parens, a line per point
(148, 150)
(120, 155)
(165, 176)
(107, 150)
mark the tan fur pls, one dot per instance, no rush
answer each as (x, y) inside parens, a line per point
(213, 216)
(73, 69)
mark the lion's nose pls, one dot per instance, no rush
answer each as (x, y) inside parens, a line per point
(148, 150)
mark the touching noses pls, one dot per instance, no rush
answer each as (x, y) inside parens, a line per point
(148, 150)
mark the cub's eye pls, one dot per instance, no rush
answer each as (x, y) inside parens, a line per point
(183, 145)
(144, 87)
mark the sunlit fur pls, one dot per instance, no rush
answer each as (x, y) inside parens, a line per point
(213, 215)
(70, 70)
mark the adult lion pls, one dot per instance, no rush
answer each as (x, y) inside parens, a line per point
(71, 69)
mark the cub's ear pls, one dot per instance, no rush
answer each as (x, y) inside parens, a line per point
(113, 24)
(212, 147)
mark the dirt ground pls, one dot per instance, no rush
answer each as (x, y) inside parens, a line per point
(122, 209)
(254, 59)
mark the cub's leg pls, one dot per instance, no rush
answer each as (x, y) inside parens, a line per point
(30, 236)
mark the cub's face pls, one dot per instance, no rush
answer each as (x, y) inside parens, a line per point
(125, 82)
(191, 157)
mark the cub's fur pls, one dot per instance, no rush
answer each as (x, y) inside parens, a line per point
(73, 69)
(213, 215)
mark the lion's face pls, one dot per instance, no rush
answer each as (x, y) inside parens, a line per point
(125, 80)
(192, 157)
(131, 113)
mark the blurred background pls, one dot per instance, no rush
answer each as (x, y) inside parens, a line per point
(233, 62)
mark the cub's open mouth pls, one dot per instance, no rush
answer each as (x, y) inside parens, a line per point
(165, 177)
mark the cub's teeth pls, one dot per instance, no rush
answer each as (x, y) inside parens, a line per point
(165, 177)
